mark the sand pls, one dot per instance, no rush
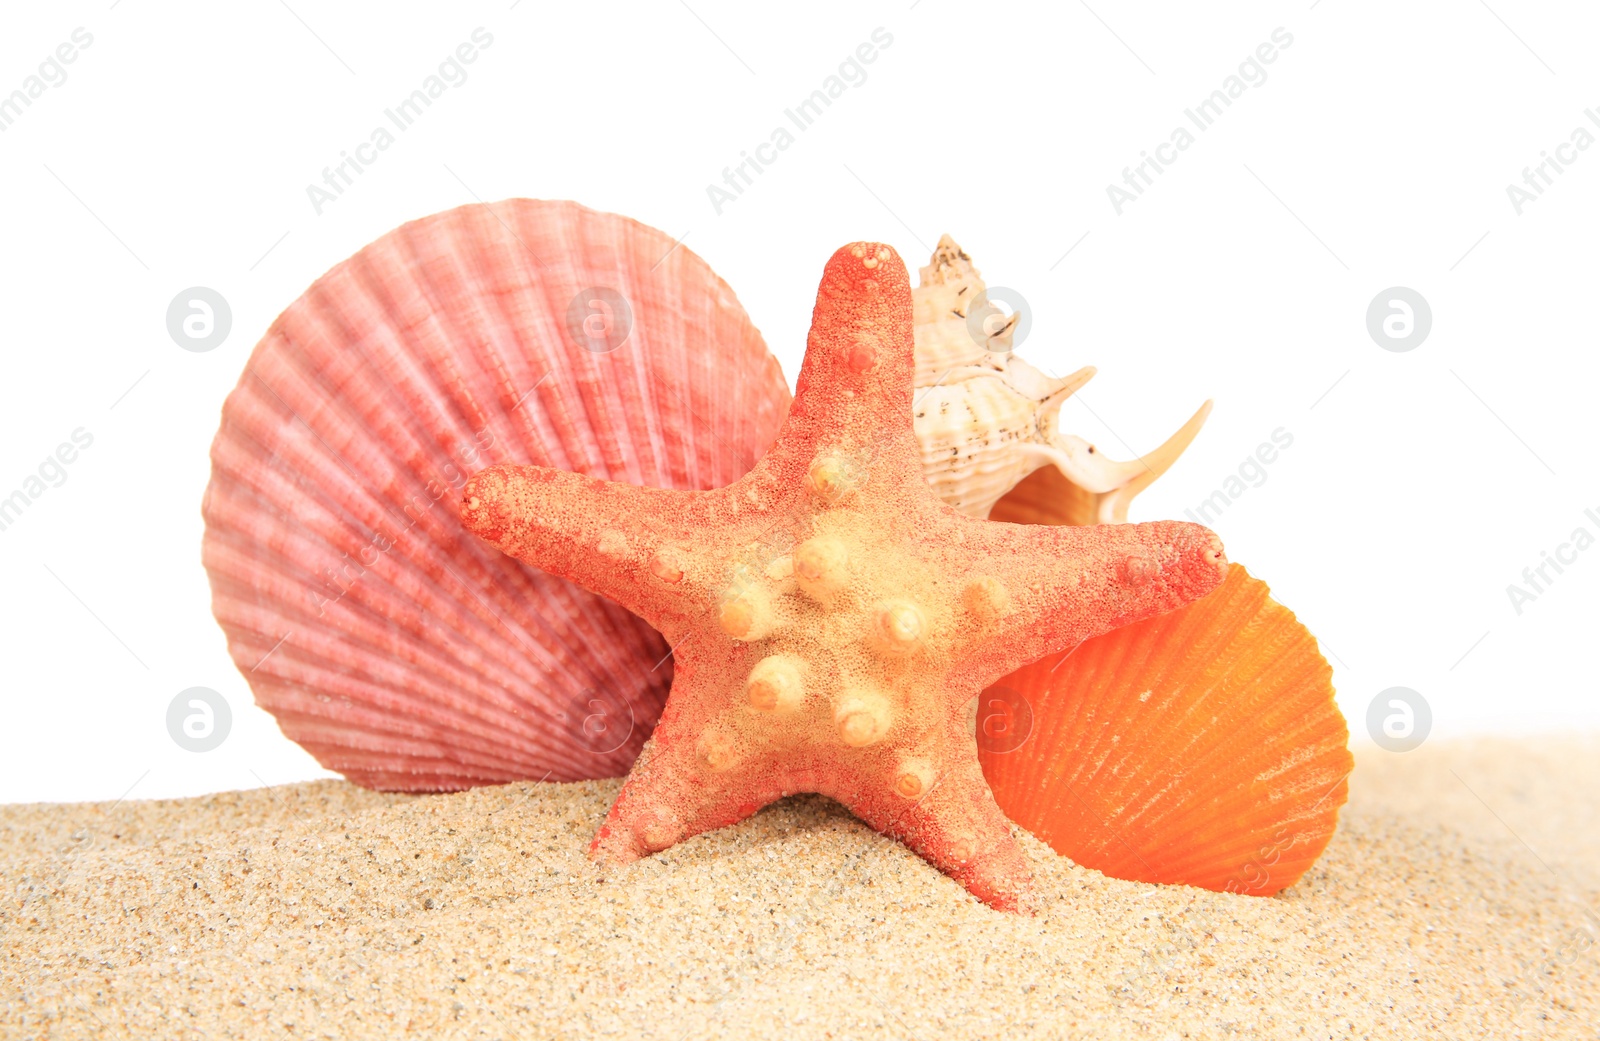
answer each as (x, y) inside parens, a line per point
(1454, 902)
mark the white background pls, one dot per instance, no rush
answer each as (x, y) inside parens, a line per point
(1376, 153)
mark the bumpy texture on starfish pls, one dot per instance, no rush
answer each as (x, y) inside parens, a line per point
(830, 618)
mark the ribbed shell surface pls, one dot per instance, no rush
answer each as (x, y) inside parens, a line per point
(399, 649)
(1200, 747)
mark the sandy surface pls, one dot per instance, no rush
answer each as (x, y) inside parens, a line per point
(1458, 900)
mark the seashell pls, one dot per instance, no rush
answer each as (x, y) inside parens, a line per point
(987, 419)
(1200, 747)
(398, 649)
(1049, 496)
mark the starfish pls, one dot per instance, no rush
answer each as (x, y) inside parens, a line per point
(830, 619)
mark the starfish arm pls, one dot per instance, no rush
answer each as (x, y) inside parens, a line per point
(957, 827)
(651, 810)
(1035, 589)
(674, 791)
(854, 391)
(637, 546)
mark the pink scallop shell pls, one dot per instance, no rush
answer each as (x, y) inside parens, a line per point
(398, 649)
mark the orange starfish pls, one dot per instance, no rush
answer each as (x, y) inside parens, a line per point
(831, 619)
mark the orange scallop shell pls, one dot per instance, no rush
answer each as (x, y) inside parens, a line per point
(397, 648)
(1199, 747)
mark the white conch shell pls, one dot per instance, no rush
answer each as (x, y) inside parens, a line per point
(988, 420)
